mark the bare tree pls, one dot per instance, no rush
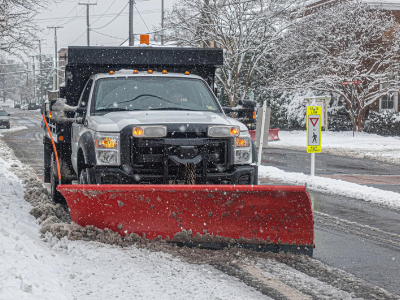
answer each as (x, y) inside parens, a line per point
(347, 41)
(17, 30)
(247, 30)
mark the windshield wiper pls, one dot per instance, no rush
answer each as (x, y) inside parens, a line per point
(174, 108)
(111, 109)
(143, 95)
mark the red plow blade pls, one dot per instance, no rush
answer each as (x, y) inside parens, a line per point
(260, 217)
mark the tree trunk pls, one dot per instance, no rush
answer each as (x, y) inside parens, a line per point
(361, 119)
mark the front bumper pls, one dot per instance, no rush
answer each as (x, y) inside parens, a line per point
(116, 175)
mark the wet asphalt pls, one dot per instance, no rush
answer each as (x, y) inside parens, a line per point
(355, 236)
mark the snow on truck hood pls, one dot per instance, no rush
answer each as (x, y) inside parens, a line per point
(116, 121)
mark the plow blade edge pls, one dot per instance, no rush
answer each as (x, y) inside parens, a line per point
(257, 217)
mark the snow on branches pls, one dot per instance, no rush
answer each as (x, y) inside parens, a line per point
(348, 41)
(247, 30)
(17, 30)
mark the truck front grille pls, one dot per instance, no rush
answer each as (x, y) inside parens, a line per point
(150, 156)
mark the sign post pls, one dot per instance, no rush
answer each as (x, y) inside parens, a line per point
(262, 129)
(313, 133)
(351, 83)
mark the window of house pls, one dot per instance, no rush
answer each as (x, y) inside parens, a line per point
(387, 101)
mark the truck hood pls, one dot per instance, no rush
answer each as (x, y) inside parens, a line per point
(116, 121)
(4, 118)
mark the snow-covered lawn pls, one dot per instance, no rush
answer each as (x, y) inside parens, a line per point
(362, 145)
(332, 186)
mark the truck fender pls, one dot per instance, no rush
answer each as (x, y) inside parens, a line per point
(86, 143)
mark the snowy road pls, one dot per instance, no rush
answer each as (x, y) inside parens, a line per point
(64, 269)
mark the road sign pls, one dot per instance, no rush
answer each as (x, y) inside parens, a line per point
(321, 101)
(350, 82)
(314, 129)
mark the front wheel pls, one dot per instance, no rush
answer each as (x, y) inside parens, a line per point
(87, 176)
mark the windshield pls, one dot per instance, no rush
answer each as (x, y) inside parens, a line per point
(3, 113)
(152, 93)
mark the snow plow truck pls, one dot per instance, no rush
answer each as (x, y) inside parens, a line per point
(137, 142)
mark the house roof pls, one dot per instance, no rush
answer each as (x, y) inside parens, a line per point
(384, 4)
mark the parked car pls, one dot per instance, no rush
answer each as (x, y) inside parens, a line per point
(17, 105)
(32, 106)
(24, 106)
(4, 119)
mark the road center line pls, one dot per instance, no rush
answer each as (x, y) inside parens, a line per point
(273, 283)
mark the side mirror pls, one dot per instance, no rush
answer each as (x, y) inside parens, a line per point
(81, 110)
(8, 115)
(247, 103)
(228, 110)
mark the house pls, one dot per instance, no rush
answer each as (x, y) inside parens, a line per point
(390, 101)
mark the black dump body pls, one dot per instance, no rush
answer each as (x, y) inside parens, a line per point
(82, 62)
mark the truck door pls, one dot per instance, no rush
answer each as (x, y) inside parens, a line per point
(77, 128)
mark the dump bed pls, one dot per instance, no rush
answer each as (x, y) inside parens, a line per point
(82, 62)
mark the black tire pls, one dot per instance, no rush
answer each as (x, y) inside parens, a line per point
(8, 126)
(87, 176)
(55, 195)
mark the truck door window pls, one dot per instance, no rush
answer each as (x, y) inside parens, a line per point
(86, 93)
(152, 93)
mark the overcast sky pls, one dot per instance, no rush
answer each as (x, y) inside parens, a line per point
(72, 16)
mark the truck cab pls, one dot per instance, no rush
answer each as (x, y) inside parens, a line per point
(158, 123)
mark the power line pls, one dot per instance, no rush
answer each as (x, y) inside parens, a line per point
(108, 35)
(142, 18)
(67, 14)
(78, 16)
(104, 13)
(114, 18)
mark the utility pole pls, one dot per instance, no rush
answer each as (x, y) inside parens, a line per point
(162, 22)
(87, 20)
(40, 68)
(131, 36)
(55, 79)
(34, 78)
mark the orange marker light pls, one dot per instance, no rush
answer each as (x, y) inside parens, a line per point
(50, 114)
(241, 142)
(135, 72)
(138, 131)
(60, 138)
(234, 131)
(111, 72)
(164, 72)
(187, 73)
(107, 143)
(150, 71)
(254, 115)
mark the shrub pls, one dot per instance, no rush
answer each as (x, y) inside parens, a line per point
(386, 122)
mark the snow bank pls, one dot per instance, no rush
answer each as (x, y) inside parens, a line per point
(332, 186)
(12, 129)
(58, 268)
(362, 145)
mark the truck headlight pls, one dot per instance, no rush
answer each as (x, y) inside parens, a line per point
(149, 131)
(243, 153)
(223, 131)
(107, 148)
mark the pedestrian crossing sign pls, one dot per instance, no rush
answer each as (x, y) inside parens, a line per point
(313, 129)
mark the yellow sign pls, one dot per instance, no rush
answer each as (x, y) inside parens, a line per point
(313, 129)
